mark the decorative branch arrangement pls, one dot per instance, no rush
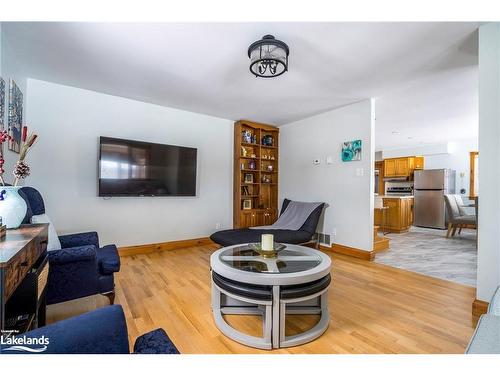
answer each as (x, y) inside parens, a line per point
(21, 169)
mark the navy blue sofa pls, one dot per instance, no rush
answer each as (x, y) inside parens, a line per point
(240, 236)
(102, 331)
(81, 268)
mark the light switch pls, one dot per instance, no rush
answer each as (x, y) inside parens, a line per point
(360, 172)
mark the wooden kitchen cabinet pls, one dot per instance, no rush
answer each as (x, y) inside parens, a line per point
(402, 167)
(399, 214)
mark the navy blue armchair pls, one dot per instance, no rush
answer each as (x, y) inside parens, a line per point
(81, 268)
(102, 331)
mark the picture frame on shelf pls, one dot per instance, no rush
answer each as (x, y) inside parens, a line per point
(247, 204)
(248, 178)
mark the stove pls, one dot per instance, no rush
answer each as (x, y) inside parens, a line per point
(399, 190)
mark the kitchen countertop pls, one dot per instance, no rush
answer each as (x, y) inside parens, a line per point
(395, 196)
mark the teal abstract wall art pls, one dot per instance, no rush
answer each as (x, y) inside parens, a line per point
(351, 150)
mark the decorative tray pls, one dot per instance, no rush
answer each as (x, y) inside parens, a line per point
(257, 246)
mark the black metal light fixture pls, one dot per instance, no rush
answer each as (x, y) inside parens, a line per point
(268, 57)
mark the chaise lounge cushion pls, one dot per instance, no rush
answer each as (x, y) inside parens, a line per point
(108, 259)
(239, 236)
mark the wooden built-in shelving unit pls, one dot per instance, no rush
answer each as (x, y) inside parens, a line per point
(255, 191)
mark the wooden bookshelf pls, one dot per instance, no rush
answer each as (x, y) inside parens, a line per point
(255, 191)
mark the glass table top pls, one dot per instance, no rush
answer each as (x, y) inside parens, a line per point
(288, 260)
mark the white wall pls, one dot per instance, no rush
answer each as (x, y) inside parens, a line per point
(488, 262)
(64, 165)
(349, 197)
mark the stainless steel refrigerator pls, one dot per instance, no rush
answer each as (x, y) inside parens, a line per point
(429, 189)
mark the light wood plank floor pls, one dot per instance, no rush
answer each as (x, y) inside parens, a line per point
(374, 308)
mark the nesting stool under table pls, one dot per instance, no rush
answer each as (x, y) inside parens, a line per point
(295, 282)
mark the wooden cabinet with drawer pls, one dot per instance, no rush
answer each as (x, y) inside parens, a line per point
(255, 218)
(23, 271)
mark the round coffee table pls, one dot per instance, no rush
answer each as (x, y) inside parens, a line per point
(245, 283)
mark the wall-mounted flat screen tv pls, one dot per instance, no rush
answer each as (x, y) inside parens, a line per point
(132, 168)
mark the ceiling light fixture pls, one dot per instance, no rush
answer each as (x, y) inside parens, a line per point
(268, 57)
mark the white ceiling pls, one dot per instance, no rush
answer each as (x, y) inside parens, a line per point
(424, 75)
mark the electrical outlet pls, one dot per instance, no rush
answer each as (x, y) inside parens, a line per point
(218, 225)
(360, 172)
(334, 231)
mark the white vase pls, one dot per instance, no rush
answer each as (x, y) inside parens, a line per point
(12, 206)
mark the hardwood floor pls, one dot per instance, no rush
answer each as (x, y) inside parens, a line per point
(374, 308)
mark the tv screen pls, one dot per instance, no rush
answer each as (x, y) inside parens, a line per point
(132, 168)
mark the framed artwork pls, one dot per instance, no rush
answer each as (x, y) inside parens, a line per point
(247, 204)
(248, 178)
(15, 116)
(351, 150)
(2, 103)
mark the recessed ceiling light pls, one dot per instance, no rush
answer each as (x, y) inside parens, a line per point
(395, 132)
(410, 137)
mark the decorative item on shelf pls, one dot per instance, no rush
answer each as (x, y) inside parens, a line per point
(268, 140)
(272, 157)
(246, 136)
(12, 206)
(244, 151)
(268, 57)
(266, 179)
(15, 116)
(264, 156)
(248, 178)
(245, 191)
(270, 168)
(252, 164)
(253, 156)
(22, 169)
(242, 166)
(247, 204)
(351, 150)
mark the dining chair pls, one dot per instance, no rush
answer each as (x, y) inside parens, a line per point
(455, 220)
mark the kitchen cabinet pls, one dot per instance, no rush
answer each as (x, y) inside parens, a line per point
(402, 167)
(399, 214)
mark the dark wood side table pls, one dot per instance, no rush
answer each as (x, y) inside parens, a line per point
(23, 277)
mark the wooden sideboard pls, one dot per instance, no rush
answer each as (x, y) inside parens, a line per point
(23, 277)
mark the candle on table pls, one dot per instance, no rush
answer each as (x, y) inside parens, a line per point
(267, 242)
